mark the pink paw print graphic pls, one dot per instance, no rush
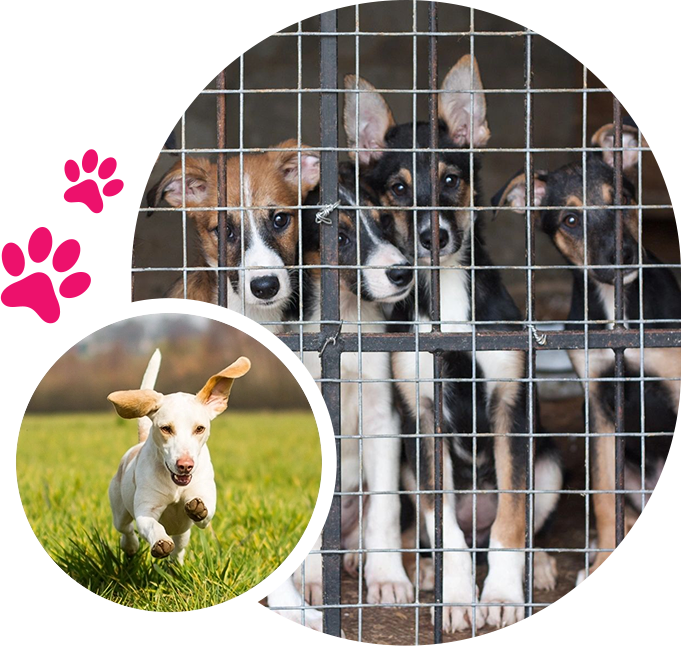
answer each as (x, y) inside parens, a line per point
(87, 191)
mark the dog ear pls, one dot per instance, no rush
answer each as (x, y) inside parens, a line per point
(200, 184)
(215, 394)
(288, 163)
(514, 192)
(375, 119)
(131, 404)
(454, 104)
(604, 138)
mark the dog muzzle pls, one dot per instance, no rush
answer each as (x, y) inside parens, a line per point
(180, 480)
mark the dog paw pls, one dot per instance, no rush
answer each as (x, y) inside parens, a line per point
(458, 617)
(196, 510)
(399, 591)
(130, 544)
(386, 579)
(351, 563)
(313, 593)
(87, 192)
(426, 575)
(545, 571)
(162, 548)
(502, 607)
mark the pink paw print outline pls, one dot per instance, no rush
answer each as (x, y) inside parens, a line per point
(87, 191)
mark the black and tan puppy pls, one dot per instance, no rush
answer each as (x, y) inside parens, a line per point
(568, 224)
(486, 434)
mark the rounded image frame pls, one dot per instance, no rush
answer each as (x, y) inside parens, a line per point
(241, 610)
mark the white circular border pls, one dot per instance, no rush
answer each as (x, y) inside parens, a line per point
(235, 612)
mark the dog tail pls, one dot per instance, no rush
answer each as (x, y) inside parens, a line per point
(148, 383)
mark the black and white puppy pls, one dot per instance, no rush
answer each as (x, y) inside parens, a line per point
(372, 271)
(499, 433)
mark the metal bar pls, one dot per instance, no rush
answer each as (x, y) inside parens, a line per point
(330, 351)
(585, 283)
(471, 267)
(417, 363)
(473, 317)
(438, 389)
(222, 192)
(619, 315)
(386, 207)
(360, 402)
(184, 207)
(530, 403)
(487, 341)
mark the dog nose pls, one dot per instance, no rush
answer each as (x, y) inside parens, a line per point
(629, 255)
(184, 465)
(425, 238)
(400, 275)
(265, 287)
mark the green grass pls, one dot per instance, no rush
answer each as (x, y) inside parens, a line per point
(267, 470)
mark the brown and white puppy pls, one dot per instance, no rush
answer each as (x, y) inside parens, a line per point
(165, 484)
(586, 238)
(264, 191)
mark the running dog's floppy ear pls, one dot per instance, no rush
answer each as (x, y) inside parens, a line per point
(131, 404)
(215, 394)
(514, 193)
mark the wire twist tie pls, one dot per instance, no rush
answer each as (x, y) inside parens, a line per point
(539, 338)
(322, 216)
(332, 339)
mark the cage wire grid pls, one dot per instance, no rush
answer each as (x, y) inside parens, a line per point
(331, 338)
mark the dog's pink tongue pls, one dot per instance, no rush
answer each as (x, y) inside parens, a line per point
(181, 481)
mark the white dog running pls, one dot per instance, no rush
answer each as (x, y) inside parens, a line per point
(165, 483)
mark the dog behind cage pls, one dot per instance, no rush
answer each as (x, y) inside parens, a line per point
(501, 364)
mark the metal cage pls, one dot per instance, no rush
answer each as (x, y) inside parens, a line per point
(434, 28)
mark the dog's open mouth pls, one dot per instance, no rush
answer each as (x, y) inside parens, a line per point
(181, 481)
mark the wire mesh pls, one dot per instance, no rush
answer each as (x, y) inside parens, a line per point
(342, 337)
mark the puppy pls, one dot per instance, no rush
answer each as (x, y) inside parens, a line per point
(385, 277)
(263, 281)
(165, 483)
(567, 224)
(403, 179)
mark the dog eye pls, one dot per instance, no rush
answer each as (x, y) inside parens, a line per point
(199, 429)
(281, 220)
(452, 181)
(230, 235)
(571, 220)
(168, 430)
(399, 189)
(343, 239)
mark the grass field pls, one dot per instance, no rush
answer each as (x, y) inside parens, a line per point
(267, 469)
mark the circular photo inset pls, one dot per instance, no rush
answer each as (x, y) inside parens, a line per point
(169, 462)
